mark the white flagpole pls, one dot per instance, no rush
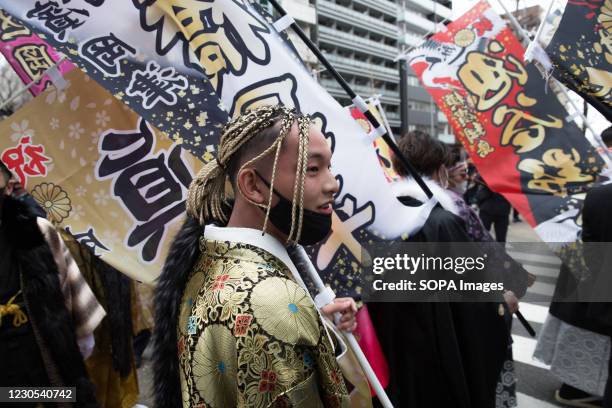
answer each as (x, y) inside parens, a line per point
(353, 344)
(594, 139)
(378, 105)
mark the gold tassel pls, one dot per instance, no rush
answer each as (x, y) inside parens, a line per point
(19, 317)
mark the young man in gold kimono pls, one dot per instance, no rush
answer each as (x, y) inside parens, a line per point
(230, 302)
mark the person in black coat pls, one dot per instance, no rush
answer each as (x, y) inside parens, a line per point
(597, 227)
(574, 288)
(439, 355)
(47, 311)
(494, 209)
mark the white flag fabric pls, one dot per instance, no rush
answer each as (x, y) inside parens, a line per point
(179, 62)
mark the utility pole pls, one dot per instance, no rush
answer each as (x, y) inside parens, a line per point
(403, 73)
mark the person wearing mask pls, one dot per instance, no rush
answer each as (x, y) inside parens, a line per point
(516, 278)
(234, 324)
(438, 354)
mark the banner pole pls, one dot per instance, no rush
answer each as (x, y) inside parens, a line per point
(357, 100)
(378, 104)
(353, 344)
(594, 139)
(31, 84)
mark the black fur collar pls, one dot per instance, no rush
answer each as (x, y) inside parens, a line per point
(20, 224)
(182, 256)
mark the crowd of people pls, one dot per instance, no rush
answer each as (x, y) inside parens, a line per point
(235, 324)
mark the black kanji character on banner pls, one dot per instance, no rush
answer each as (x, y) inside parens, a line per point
(33, 58)
(106, 52)
(150, 187)
(58, 19)
(11, 29)
(156, 84)
(89, 239)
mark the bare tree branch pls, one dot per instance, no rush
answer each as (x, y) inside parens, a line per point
(11, 85)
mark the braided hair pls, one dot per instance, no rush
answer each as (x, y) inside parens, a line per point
(206, 196)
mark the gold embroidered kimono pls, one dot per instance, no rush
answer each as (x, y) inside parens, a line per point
(250, 336)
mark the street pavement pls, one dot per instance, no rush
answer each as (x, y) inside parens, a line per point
(535, 385)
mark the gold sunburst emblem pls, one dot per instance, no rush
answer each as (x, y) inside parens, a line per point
(54, 200)
(465, 37)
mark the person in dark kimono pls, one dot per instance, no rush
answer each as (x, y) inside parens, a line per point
(574, 340)
(515, 276)
(438, 354)
(494, 209)
(578, 333)
(48, 313)
(235, 325)
(597, 227)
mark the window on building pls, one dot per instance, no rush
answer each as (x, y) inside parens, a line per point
(361, 57)
(421, 106)
(377, 61)
(344, 53)
(389, 86)
(391, 64)
(325, 22)
(360, 8)
(359, 32)
(343, 27)
(390, 108)
(413, 81)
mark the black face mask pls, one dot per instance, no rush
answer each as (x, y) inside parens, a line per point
(315, 226)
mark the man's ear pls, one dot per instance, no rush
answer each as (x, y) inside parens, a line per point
(251, 187)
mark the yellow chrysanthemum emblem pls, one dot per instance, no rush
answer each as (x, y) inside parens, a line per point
(215, 366)
(54, 200)
(465, 37)
(284, 310)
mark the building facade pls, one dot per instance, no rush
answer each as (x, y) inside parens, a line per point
(305, 14)
(362, 38)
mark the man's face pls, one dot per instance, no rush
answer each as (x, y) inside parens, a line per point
(320, 184)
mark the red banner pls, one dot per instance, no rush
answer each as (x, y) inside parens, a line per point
(514, 130)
